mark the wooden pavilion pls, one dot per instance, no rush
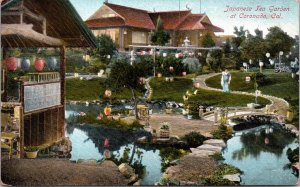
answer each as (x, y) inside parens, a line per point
(40, 108)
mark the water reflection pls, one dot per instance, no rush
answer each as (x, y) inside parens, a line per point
(261, 154)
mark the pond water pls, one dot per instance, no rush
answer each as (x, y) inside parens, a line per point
(261, 154)
(88, 143)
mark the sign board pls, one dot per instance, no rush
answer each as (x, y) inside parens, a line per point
(41, 96)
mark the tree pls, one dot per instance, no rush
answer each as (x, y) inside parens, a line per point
(227, 48)
(208, 41)
(125, 75)
(106, 47)
(278, 40)
(159, 36)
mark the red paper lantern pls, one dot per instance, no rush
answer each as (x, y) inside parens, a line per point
(11, 63)
(106, 143)
(107, 111)
(39, 64)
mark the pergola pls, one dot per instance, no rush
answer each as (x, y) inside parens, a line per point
(41, 24)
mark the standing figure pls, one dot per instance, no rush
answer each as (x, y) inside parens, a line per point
(225, 80)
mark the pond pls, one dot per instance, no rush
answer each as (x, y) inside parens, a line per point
(88, 143)
(261, 154)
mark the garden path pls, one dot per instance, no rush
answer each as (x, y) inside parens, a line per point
(278, 106)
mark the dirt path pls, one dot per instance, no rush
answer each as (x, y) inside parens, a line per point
(278, 104)
(55, 172)
(179, 125)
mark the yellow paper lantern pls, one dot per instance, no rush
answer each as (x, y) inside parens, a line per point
(107, 110)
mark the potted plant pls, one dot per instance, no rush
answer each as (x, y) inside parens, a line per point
(164, 131)
(31, 151)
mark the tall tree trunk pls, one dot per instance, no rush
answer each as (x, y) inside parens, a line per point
(135, 103)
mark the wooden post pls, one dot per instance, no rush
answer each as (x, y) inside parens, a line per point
(121, 42)
(62, 85)
(21, 133)
(5, 77)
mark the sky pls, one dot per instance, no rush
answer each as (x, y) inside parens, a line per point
(282, 13)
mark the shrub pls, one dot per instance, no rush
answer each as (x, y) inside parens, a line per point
(293, 155)
(192, 64)
(223, 132)
(31, 149)
(228, 63)
(193, 139)
(168, 154)
(217, 157)
(216, 180)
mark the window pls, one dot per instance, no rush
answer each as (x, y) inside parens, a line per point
(139, 37)
(113, 33)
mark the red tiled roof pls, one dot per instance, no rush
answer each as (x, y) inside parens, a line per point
(105, 22)
(133, 17)
(192, 22)
(212, 27)
(171, 19)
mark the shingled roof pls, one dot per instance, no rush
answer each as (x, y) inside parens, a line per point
(132, 17)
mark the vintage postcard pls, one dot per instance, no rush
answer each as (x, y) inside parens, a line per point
(149, 92)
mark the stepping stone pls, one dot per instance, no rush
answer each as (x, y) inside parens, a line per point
(210, 148)
(233, 177)
(201, 153)
(215, 142)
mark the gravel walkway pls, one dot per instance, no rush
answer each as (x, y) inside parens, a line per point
(56, 172)
(278, 104)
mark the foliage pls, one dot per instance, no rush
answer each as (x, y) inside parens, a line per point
(217, 157)
(227, 63)
(164, 181)
(293, 155)
(91, 118)
(208, 41)
(145, 65)
(170, 91)
(31, 149)
(191, 64)
(106, 47)
(164, 64)
(237, 42)
(159, 36)
(278, 40)
(217, 178)
(213, 60)
(168, 154)
(165, 126)
(193, 139)
(227, 48)
(223, 132)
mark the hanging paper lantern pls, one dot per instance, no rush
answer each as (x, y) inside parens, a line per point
(107, 110)
(141, 81)
(11, 63)
(108, 93)
(184, 73)
(171, 68)
(39, 64)
(25, 64)
(52, 62)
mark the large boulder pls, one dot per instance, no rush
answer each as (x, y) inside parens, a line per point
(126, 170)
(233, 177)
(215, 142)
(210, 148)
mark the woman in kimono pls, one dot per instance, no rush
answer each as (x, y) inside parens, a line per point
(225, 80)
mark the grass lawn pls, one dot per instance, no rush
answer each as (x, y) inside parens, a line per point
(85, 90)
(221, 99)
(280, 85)
(170, 91)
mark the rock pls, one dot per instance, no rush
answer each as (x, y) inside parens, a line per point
(210, 148)
(87, 162)
(156, 184)
(138, 183)
(108, 164)
(233, 177)
(215, 142)
(296, 165)
(171, 170)
(142, 139)
(201, 153)
(133, 179)
(126, 170)
(187, 183)
(174, 162)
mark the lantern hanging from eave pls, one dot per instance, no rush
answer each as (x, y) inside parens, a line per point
(39, 64)
(11, 63)
(52, 62)
(171, 68)
(107, 110)
(25, 64)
